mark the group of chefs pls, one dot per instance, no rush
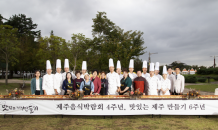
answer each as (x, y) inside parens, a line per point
(112, 83)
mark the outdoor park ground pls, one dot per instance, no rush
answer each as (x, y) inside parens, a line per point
(116, 122)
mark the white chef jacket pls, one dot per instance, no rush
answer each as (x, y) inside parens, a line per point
(121, 76)
(154, 84)
(165, 84)
(113, 83)
(48, 84)
(64, 75)
(73, 75)
(145, 75)
(159, 77)
(58, 81)
(179, 83)
(83, 76)
(171, 78)
(132, 76)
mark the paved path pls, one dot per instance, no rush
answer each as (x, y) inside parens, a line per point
(14, 81)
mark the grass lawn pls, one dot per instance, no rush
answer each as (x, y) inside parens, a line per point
(3, 88)
(117, 122)
(205, 87)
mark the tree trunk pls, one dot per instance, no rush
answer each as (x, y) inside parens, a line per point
(6, 74)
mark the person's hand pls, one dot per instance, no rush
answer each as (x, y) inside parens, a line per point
(143, 93)
(121, 91)
(91, 93)
(171, 93)
(118, 90)
(45, 93)
(33, 94)
(96, 93)
(56, 92)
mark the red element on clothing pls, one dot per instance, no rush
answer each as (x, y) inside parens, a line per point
(139, 85)
(97, 85)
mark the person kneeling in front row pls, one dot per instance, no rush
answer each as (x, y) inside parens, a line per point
(87, 86)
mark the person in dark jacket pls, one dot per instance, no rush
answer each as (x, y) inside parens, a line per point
(104, 84)
(126, 83)
(68, 83)
(140, 83)
(36, 84)
(96, 81)
(77, 80)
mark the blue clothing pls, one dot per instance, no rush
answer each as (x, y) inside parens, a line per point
(87, 83)
(64, 86)
(33, 86)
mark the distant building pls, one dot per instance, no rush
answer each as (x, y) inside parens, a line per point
(184, 71)
(192, 71)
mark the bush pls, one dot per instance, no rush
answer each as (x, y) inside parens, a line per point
(202, 79)
(190, 78)
(215, 78)
(207, 71)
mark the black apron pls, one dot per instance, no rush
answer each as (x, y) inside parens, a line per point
(87, 88)
(102, 92)
(123, 86)
(69, 87)
(78, 85)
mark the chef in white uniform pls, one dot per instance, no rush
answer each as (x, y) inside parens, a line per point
(144, 69)
(58, 81)
(171, 76)
(156, 71)
(153, 82)
(179, 83)
(119, 69)
(66, 69)
(131, 74)
(165, 83)
(48, 83)
(113, 79)
(84, 69)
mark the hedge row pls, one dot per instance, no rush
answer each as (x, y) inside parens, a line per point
(190, 78)
(207, 71)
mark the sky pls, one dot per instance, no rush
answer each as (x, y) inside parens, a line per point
(179, 30)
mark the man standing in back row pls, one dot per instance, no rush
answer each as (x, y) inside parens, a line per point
(144, 69)
(113, 79)
(119, 69)
(179, 83)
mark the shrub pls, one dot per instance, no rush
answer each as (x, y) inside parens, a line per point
(202, 79)
(190, 78)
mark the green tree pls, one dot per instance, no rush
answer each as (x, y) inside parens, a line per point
(8, 46)
(50, 48)
(110, 41)
(27, 34)
(77, 50)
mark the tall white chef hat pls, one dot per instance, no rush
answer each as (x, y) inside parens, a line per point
(164, 70)
(84, 65)
(157, 66)
(111, 62)
(48, 64)
(151, 67)
(118, 64)
(58, 63)
(131, 63)
(66, 63)
(144, 65)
